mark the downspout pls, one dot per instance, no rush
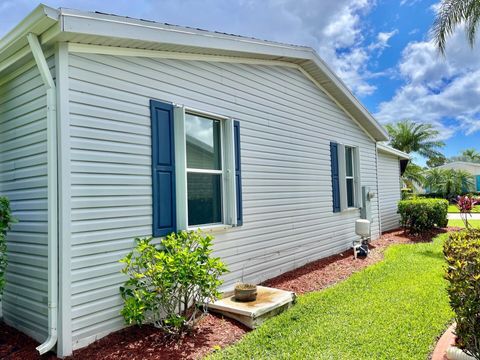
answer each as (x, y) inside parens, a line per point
(47, 78)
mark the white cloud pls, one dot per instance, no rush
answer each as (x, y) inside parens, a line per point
(443, 91)
(408, 2)
(383, 37)
(382, 41)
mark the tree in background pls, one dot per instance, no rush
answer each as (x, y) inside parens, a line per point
(409, 136)
(435, 180)
(413, 176)
(448, 182)
(468, 155)
(451, 14)
(471, 155)
(435, 161)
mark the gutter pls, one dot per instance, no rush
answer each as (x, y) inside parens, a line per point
(392, 151)
(25, 26)
(47, 78)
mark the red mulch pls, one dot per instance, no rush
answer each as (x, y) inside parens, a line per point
(325, 272)
(212, 331)
(15, 345)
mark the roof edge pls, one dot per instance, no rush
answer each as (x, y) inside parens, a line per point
(198, 38)
(459, 162)
(24, 27)
(382, 132)
(392, 151)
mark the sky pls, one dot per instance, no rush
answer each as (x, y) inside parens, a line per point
(381, 49)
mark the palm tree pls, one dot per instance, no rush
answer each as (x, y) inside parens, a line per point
(471, 155)
(464, 181)
(413, 175)
(453, 13)
(409, 136)
(457, 182)
(435, 180)
(436, 161)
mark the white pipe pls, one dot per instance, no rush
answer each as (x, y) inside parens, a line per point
(52, 192)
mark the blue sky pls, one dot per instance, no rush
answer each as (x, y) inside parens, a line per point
(380, 48)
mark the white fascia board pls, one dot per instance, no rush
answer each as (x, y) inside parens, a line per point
(86, 23)
(41, 12)
(389, 150)
(14, 46)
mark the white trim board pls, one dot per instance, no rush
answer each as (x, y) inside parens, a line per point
(158, 54)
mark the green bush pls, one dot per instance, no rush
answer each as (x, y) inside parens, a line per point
(406, 193)
(420, 215)
(6, 221)
(168, 281)
(462, 252)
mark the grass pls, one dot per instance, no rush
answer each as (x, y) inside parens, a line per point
(394, 309)
(459, 223)
(452, 208)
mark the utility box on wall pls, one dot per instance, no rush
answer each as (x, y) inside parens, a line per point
(366, 210)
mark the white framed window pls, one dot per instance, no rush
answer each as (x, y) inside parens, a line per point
(205, 170)
(349, 177)
(204, 152)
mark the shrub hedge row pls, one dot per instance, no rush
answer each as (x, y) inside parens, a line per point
(420, 215)
(462, 252)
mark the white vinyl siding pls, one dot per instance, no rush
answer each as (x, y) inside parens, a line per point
(389, 185)
(23, 179)
(287, 126)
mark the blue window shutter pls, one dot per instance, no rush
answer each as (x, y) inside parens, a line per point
(163, 169)
(238, 172)
(335, 177)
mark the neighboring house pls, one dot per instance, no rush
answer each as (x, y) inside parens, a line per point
(117, 128)
(391, 165)
(472, 168)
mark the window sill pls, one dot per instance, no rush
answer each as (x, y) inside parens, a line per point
(350, 209)
(211, 228)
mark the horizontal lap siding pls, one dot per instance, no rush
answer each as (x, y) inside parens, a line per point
(23, 179)
(389, 190)
(287, 125)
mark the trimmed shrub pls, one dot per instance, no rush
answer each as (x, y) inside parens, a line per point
(6, 221)
(168, 282)
(420, 215)
(462, 252)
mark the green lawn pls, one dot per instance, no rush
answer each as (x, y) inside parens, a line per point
(459, 223)
(452, 208)
(394, 309)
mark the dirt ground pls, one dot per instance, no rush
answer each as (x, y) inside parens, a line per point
(213, 332)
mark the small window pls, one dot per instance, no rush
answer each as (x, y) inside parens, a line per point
(204, 170)
(350, 175)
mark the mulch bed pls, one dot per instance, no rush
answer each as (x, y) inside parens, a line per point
(213, 332)
(16, 345)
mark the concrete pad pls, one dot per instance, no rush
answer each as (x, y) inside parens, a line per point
(270, 302)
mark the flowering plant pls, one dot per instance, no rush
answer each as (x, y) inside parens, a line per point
(465, 204)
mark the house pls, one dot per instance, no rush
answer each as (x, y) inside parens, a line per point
(391, 165)
(470, 167)
(114, 128)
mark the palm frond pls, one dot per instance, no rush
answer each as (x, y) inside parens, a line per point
(451, 14)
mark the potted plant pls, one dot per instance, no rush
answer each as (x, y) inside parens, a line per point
(245, 292)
